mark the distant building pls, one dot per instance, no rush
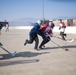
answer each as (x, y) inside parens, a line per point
(68, 22)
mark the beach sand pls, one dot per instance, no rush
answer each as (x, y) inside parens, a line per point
(52, 60)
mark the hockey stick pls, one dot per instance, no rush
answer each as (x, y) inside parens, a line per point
(70, 40)
(60, 46)
(12, 54)
(64, 40)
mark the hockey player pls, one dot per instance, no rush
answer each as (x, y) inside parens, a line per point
(51, 24)
(33, 34)
(62, 27)
(47, 30)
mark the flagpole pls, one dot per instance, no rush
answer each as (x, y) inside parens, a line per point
(43, 11)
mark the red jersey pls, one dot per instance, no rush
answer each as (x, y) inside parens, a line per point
(63, 24)
(46, 29)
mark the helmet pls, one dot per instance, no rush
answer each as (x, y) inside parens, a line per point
(60, 19)
(50, 20)
(39, 21)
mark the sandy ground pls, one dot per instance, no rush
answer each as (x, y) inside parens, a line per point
(52, 60)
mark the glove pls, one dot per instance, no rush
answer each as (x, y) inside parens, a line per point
(51, 35)
(59, 28)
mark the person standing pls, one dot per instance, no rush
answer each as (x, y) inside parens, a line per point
(7, 27)
(1, 26)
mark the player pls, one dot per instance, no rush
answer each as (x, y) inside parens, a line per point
(62, 28)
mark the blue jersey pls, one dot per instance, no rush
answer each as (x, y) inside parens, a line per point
(35, 30)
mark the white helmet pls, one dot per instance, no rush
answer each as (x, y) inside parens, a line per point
(39, 21)
(50, 20)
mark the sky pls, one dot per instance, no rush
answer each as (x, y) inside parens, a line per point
(48, 9)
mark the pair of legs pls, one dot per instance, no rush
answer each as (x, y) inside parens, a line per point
(7, 29)
(31, 39)
(62, 35)
(45, 40)
(0, 31)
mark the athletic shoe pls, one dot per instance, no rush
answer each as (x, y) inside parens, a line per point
(26, 42)
(40, 47)
(65, 35)
(43, 45)
(36, 49)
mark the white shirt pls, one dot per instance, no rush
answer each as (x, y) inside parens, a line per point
(61, 29)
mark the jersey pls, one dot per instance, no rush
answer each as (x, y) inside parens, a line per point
(46, 29)
(63, 25)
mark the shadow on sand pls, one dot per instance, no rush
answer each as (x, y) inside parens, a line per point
(21, 54)
(63, 47)
(16, 62)
(5, 62)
